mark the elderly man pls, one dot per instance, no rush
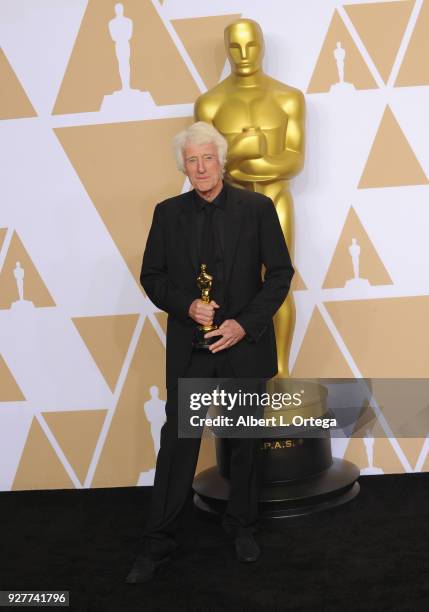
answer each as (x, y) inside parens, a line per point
(234, 232)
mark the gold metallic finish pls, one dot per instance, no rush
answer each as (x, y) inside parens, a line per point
(204, 283)
(263, 122)
(281, 444)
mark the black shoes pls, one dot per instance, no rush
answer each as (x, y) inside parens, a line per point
(246, 548)
(144, 569)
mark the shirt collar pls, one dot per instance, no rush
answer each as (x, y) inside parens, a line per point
(218, 202)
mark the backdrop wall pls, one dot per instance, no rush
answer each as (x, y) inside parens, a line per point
(82, 348)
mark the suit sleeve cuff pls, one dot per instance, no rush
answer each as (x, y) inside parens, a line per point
(252, 335)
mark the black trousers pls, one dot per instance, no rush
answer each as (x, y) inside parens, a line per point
(176, 463)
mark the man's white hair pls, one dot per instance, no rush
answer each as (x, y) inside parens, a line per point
(199, 133)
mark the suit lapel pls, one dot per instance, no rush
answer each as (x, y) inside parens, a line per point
(233, 221)
(188, 226)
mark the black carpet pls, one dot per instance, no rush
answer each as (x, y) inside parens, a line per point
(369, 555)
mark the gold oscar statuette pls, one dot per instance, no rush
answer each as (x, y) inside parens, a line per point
(204, 283)
(263, 122)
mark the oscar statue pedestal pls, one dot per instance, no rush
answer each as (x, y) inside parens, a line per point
(299, 474)
(343, 87)
(130, 100)
(22, 305)
(357, 283)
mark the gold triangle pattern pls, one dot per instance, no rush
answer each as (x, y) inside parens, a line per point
(382, 42)
(39, 466)
(387, 337)
(415, 69)
(297, 282)
(77, 433)
(35, 290)
(9, 389)
(326, 74)
(92, 71)
(161, 317)
(129, 449)
(370, 266)
(107, 339)
(14, 102)
(319, 355)
(203, 40)
(391, 161)
(124, 177)
(3, 232)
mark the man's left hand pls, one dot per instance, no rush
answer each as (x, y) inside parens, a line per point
(231, 332)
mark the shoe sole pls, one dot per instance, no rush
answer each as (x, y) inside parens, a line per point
(251, 560)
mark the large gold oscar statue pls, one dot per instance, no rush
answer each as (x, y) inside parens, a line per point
(263, 121)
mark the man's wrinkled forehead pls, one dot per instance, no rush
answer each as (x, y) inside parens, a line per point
(243, 33)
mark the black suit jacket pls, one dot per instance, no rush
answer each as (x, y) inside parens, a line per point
(253, 236)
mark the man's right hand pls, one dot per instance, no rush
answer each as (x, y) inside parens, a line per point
(201, 312)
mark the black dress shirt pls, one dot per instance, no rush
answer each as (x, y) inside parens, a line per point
(210, 241)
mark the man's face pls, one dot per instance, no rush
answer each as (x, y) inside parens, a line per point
(202, 166)
(244, 46)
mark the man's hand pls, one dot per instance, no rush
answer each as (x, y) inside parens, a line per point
(201, 312)
(231, 332)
